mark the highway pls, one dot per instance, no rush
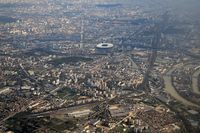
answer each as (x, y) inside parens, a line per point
(152, 58)
(157, 41)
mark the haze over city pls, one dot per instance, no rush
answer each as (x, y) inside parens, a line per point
(99, 66)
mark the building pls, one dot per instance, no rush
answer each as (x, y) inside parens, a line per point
(104, 48)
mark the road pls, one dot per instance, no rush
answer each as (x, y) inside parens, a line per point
(131, 114)
(152, 58)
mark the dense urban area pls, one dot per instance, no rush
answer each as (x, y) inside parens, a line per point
(99, 66)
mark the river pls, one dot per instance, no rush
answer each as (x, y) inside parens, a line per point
(172, 91)
(195, 81)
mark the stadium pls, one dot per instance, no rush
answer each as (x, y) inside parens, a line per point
(104, 48)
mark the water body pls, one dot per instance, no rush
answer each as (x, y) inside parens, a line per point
(195, 85)
(172, 91)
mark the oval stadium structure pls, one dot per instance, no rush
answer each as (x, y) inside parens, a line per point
(104, 48)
